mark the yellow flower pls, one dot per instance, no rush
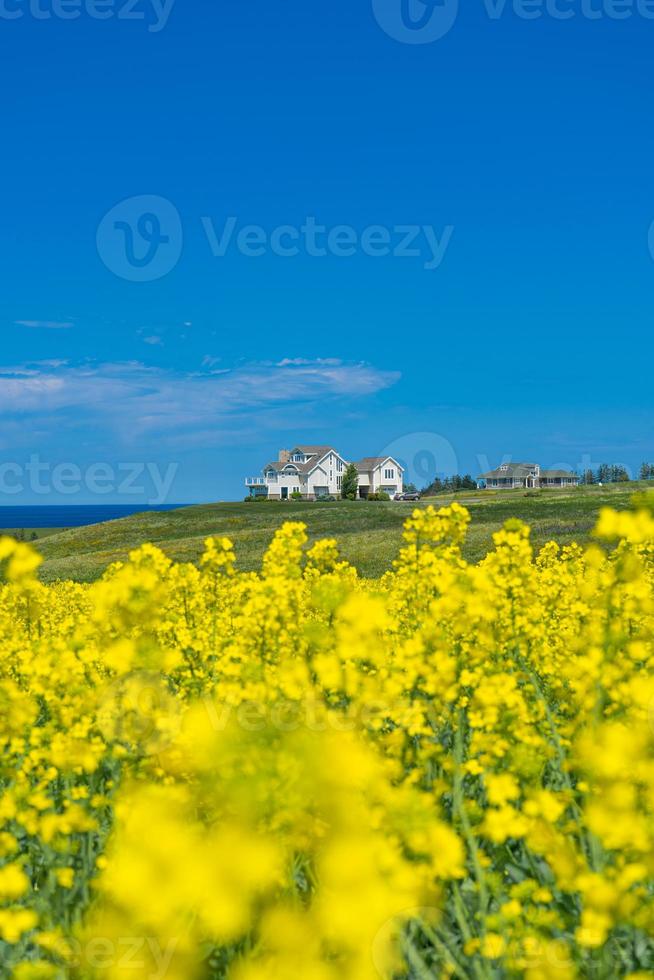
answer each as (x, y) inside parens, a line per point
(492, 946)
(14, 923)
(13, 882)
(502, 788)
(65, 877)
(296, 763)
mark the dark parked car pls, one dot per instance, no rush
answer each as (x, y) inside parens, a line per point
(413, 495)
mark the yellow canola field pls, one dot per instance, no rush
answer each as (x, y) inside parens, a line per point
(302, 775)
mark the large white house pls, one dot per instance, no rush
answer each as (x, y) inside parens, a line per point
(317, 471)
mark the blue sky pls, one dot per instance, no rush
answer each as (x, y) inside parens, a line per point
(520, 151)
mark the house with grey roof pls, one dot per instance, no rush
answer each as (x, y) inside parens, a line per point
(317, 471)
(513, 476)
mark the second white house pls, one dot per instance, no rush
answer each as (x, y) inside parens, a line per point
(317, 471)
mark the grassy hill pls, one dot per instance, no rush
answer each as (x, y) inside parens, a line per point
(369, 534)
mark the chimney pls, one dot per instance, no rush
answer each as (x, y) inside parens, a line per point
(284, 455)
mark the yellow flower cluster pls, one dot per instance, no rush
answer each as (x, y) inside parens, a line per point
(446, 772)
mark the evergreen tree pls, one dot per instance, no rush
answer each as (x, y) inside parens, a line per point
(350, 483)
(450, 483)
(434, 487)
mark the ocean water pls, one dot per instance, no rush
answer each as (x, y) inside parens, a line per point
(73, 515)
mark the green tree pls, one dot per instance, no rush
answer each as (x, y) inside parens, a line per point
(350, 483)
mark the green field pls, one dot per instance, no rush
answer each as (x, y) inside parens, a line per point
(369, 534)
(31, 535)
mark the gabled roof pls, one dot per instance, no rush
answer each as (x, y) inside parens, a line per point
(279, 467)
(521, 470)
(512, 470)
(316, 454)
(369, 463)
(314, 450)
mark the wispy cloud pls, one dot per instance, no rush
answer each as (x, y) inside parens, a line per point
(45, 324)
(210, 361)
(304, 361)
(133, 401)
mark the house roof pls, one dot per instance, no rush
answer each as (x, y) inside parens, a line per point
(314, 450)
(512, 469)
(369, 463)
(520, 470)
(278, 466)
(316, 454)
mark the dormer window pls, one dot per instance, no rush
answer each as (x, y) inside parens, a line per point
(504, 468)
(298, 458)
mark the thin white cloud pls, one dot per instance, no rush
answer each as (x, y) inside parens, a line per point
(45, 324)
(154, 340)
(135, 401)
(304, 361)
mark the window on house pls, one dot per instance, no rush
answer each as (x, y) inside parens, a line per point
(389, 474)
(339, 466)
(339, 482)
